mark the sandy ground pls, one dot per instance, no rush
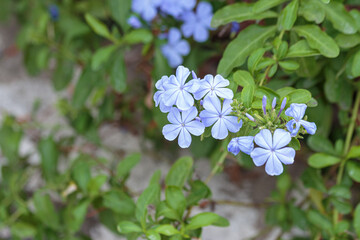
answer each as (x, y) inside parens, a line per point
(18, 91)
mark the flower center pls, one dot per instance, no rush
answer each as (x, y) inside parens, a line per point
(183, 125)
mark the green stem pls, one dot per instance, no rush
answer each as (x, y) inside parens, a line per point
(217, 166)
(266, 73)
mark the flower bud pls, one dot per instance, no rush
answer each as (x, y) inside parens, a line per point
(264, 100)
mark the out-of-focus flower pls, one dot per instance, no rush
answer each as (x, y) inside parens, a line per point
(272, 151)
(214, 86)
(198, 24)
(213, 113)
(146, 8)
(182, 125)
(177, 91)
(54, 12)
(177, 7)
(244, 144)
(134, 22)
(235, 27)
(158, 96)
(297, 111)
(176, 48)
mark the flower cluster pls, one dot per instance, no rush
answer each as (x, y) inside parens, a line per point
(194, 23)
(195, 104)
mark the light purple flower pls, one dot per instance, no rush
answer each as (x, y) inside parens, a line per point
(297, 111)
(146, 8)
(214, 86)
(182, 125)
(177, 7)
(272, 151)
(134, 22)
(273, 104)
(177, 92)
(244, 144)
(158, 96)
(176, 48)
(197, 23)
(264, 102)
(220, 117)
(251, 118)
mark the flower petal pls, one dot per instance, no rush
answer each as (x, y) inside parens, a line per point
(184, 100)
(224, 93)
(183, 47)
(232, 123)
(281, 138)
(208, 118)
(273, 166)
(226, 109)
(171, 131)
(212, 104)
(174, 36)
(286, 155)
(264, 139)
(219, 81)
(189, 115)
(246, 144)
(184, 140)
(170, 96)
(233, 146)
(260, 156)
(310, 127)
(219, 130)
(290, 127)
(195, 127)
(182, 73)
(201, 34)
(164, 108)
(174, 116)
(296, 110)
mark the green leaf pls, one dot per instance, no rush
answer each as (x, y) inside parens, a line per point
(206, 219)
(128, 227)
(354, 152)
(10, 138)
(289, 65)
(80, 172)
(299, 96)
(243, 78)
(309, 67)
(288, 15)
(355, 69)
(238, 12)
(84, 86)
(282, 50)
(295, 144)
(101, 56)
(321, 160)
(23, 230)
(319, 221)
(247, 95)
(311, 11)
(341, 205)
(198, 191)
(63, 74)
(341, 20)
(179, 172)
(319, 40)
(136, 36)
(98, 27)
(312, 179)
(75, 215)
(49, 157)
(357, 220)
(118, 73)
(319, 143)
(167, 230)
(119, 202)
(152, 235)
(353, 169)
(150, 195)
(340, 191)
(242, 46)
(175, 199)
(45, 211)
(347, 41)
(301, 49)
(342, 226)
(164, 210)
(129, 162)
(95, 184)
(254, 59)
(263, 5)
(120, 11)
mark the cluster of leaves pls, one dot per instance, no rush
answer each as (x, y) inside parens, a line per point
(88, 188)
(311, 45)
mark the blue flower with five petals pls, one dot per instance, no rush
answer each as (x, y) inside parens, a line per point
(197, 24)
(272, 151)
(176, 48)
(220, 117)
(177, 91)
(297, 111)
(146, 8)
(244, 144)
(182, 125)
(213, 86)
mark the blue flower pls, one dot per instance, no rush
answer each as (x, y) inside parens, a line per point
(177, 7)
(176, 48)
(264, 102)
(134, 22)
(244, 144)
(297, 111)
(235, 27)
(272, 151)
(211, 86)
(198, 24)
(146, 8)
(177, 91)
(158, 96)
(54, 12)
(182, 125)
(214, 114)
